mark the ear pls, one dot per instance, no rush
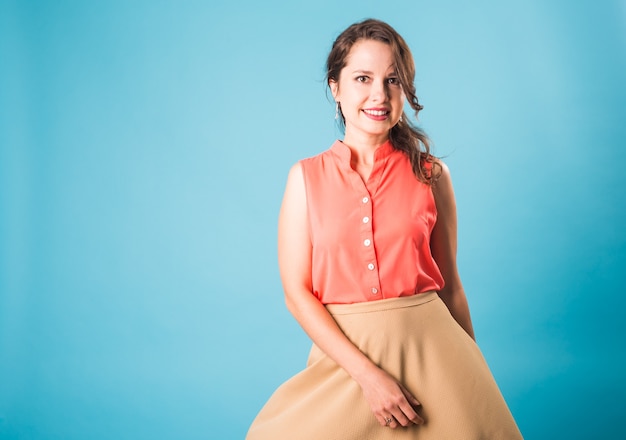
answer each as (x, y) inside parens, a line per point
(334, 88)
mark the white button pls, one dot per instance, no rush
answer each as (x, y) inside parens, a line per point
(374, 290)
(370, 266)
(366, 219)
(367, 242)
(366, 199)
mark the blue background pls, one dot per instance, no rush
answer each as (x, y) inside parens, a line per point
(144, 151)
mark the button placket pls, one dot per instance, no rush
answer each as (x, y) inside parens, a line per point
(368, 250)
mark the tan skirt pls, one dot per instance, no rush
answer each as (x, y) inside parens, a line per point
(416, 340)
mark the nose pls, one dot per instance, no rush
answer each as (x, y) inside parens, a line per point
(379, 91)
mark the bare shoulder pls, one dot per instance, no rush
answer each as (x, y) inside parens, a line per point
(295, 170)
(294, 198)
(442, 186)
(295, 180)
(441, 165)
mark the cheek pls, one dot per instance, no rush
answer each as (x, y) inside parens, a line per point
(399, 99)
(351, 98)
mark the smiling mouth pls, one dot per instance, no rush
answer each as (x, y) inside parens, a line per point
(376, 112)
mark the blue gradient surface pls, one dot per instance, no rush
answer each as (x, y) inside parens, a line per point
(144, 148)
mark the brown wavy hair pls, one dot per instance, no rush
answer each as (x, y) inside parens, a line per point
(404, 136)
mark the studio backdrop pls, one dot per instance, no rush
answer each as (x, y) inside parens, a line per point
(144, 148)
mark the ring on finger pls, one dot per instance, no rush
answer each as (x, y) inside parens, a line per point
(388, 420)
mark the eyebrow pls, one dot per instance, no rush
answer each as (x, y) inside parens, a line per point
(367, 72)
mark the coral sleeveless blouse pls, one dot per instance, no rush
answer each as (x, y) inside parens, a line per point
(370, 240)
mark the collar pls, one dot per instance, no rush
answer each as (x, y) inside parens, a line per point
(344, 153)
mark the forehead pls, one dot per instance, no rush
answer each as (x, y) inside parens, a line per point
(370, 55)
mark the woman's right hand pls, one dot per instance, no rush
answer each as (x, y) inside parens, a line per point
(392, 404)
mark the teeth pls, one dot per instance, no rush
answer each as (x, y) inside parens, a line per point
(376, 112)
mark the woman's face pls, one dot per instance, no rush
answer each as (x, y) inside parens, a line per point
(369, 92)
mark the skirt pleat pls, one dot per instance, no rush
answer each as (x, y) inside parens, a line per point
(414, 339)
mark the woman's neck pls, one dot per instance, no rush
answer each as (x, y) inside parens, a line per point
(362, 148)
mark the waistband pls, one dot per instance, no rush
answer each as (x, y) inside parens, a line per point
(382, 304)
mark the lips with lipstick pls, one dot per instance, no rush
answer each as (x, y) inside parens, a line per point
(377, 114)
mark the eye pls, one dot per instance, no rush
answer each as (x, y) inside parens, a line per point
(393, 80)
(362, 78)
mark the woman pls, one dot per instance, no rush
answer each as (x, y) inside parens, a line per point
(367, 257)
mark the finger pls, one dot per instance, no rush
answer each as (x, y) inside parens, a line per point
(404, 416)
(384, 420)
(411, 412)
(391, 422)
(412, 400)
(411, 416)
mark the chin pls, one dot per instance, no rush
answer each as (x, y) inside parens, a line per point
(380, 130)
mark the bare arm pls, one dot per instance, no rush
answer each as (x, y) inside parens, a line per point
(444, 249)
(385, 396)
